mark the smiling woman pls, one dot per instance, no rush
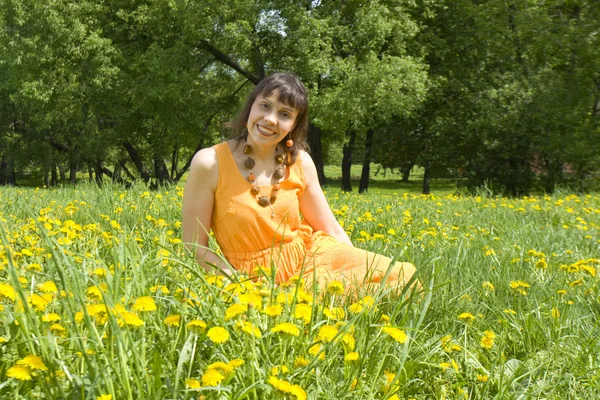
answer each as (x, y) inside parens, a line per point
(260, 195)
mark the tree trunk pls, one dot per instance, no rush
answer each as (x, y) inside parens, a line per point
(426, 178)
(46, 177)
(174, 161)
(90, 173)
(347, 162)
(72, 173)
(366, 168)
(54, 175)
(62, 172)
(129, 174)
(316, 151)
(98, 172)
(137, 161)
(3, 171)
(406, 174)
(160, 171)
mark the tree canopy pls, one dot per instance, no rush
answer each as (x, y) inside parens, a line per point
(502, 92)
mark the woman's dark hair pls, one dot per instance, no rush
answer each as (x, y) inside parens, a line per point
(291, 92)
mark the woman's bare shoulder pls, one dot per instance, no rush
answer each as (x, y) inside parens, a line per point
(205, 167)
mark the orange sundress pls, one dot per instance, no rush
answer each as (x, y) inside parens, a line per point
(250, 236)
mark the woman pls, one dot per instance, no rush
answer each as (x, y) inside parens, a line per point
(252, 189)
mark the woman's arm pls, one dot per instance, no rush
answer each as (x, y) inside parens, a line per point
(198, 202)
(314, 206)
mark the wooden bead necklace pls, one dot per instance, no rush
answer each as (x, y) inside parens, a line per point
(280, 160)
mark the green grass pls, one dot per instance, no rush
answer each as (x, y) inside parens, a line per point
(494, 310)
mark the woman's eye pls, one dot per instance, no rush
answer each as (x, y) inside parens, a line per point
(264, 105)
(285, 115)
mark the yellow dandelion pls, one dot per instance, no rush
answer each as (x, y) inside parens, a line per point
(541, 264)
(286, 327)
(58, 329)
(355, 308)
(225, 368)
(33, 362)
(249, 328)
(335, 313)
(555, 313)
(51, 317)
(327, 333)
(303, 312)
(488, 285)
(40, 302)
(316, 349)
(172, 320)
(218, 335)
(273, 310)
(235, 310)
(576, 282)
(335, 287)
(131, 319)
(196, 325)
(144, 303)
(7, 291)
(104, 397)
(467, 317)
(300, 362)
(352, 356)
(236, 363)
(47, 287)
(482, 378)
(397, 334)
(192, 383)
(19, 372)
(212, 377)
(487, 340)
(562, 292)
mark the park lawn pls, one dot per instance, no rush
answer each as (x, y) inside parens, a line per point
(100, 300)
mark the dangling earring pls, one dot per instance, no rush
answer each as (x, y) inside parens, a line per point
(289, 153)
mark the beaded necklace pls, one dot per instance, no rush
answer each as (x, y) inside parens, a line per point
(280, 160)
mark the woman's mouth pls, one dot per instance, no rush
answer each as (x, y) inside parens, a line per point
(265, 131)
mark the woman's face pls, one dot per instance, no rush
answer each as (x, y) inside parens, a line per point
(270, 121)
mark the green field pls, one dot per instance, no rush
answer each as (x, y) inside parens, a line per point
(100, 301)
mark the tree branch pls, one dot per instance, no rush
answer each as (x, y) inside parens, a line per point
(225, 59)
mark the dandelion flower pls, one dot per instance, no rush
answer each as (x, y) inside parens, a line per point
(104, 397)
(212, 377)
(273, 310)
(196, 325)
(316, 349)
(145, 303)
(40, 302)
(286, 327)
(467, 317)
(192, 384)
(218, 335)
(327, 333)
(33, 362)
(482, 378)
(487, 341)
(335, 287)
(300, 362)
(555, 313)
(234, 310)
(355, 308)
(352, 356)
(19, 372)
(172, 320)
(249, 328)
(47, 287)
(397, 334)
(51, 317)
(488, 285)
(221, 366)
(303, 312)
(541, 264)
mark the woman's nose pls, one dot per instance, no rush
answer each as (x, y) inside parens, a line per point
(270, 118)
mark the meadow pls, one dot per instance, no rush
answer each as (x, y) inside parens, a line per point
(100, 300)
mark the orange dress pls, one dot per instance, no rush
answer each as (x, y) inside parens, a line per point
(250, 236)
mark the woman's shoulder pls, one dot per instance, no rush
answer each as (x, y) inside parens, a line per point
(205, 159)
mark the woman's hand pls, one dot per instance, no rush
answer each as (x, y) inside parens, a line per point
(314, 206)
